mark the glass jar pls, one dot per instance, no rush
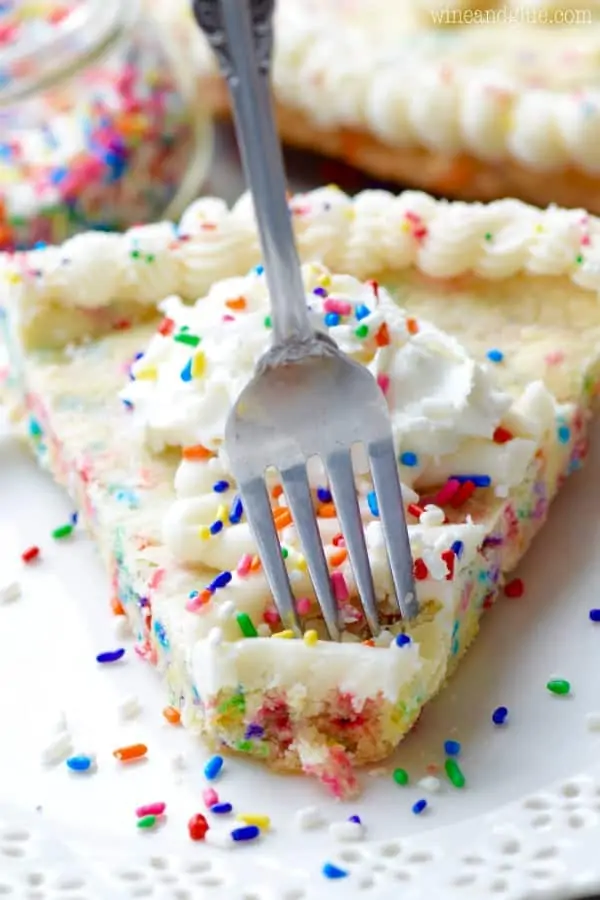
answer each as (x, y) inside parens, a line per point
(99, 125)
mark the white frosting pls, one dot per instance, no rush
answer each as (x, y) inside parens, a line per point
(444, 408)
(374, 230)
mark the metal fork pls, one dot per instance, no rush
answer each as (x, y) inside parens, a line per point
(307, 398)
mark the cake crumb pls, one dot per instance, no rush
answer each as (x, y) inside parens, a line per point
(592, 721)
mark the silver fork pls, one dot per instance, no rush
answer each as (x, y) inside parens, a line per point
(307, 398)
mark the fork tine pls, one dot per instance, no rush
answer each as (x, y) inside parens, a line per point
(343, 489)
(299, 499)
(391, 511)
(258, 510)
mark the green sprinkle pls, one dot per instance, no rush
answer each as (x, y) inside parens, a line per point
(362, 331)
(244, 746)
(246, 625)
(454, 773)
(150, 258)
(192, 340)
(559, 686)
(488, 235)
(62, 531)
(285, 552)
(135, 254)
(146, 822)
(268, 322)
(579, 259)
(400, 776)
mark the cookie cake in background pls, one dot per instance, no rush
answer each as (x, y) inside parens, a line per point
(472, 100)
(122, 376)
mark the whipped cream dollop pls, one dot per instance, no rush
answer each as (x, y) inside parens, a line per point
(445, 410)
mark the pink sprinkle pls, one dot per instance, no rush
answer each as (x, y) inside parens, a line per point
(228, 318)
(210, 797)
(342, 307)
(303, 606)
(243, 567)
(447, 492)
(554, 358)
(384, 382)
(271, 616)
(151, 809)
(339, 587)
(156, 579)
(586, 240)
(194, 603)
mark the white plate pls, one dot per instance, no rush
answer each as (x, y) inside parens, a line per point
(63, 835)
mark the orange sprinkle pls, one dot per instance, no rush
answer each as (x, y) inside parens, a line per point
(277, 491)
(117, 607)
(255, 565)
(130, 753)
(382, 338)
(338, 556)
(412, 326)
(369, 643)
(172, 715)
(326, 511)
(432, 769)
(282, 517)
(197, 452)
(236, 303)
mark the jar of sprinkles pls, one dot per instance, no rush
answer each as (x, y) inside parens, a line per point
(99, 125)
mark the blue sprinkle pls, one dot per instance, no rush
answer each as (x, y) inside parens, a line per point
(402, 640)
(564, 434)
(221, 581)
(111, 656)
(324, 495)
(259, 269)
(478, 480)
(355, 819)
(451, 748)
(362, 311)
(254, 731)
(457, 548)
(495, 356)
(245, 833)
(331, 871)
(219, 487)
(40, 245)
(213, 767)
(216, 527)
(186, 372)
(193, 594)
(419, 806)
(221, 809)
(500, 715)
(408, 458)
(456, 628)
(74, 518)
(595, 615)
(320, 292)
(455, 646)
(35, 429)
(127, 403)
(332, 319)
(236, 511)
(79, 763)
(372, 501)
(161, 634)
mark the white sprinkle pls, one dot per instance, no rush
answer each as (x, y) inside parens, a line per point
(121, 627)
(263, 630)
(347, 831)
(501, 491)
(57, 749)
(10, 591)
(383, 639)
(592, 721)
(430, 783)
(310, 817)
(179, 762)
(60, 725)
(215, 637)
(349, 638)
(226, 610)
(432, 516)
(220, 839)
(128, 708)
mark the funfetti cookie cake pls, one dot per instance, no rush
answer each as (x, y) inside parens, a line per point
(473, 100)
(482, 327)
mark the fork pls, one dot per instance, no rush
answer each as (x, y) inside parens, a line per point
(307, 398)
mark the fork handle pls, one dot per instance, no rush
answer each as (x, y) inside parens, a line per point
(245, 55)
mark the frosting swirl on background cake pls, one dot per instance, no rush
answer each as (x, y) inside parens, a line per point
(446, 411)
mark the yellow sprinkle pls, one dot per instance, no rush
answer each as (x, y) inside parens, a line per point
(204, 532)
(14, 278)
(310, 638)
(222, 513)
(325, 280)
(198, 364)
(300, 563)
(405, 227)
(147, 374)
(539, 229)
(262, 822)
(334, 187)
(349, 213)
(288, 633)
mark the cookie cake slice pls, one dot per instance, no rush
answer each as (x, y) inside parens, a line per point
(490, 406)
